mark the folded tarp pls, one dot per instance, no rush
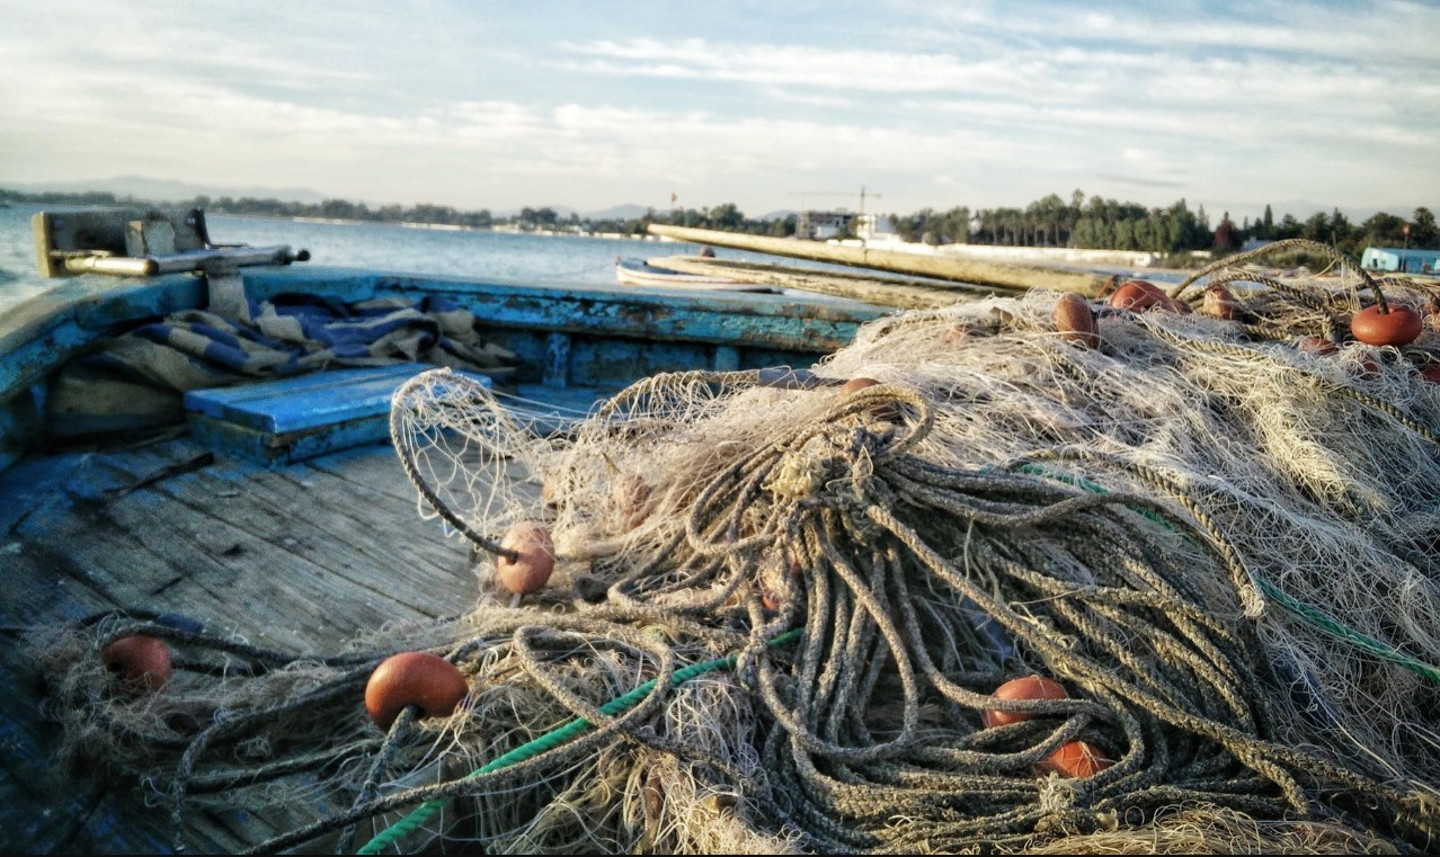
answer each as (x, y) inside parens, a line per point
(138, 380)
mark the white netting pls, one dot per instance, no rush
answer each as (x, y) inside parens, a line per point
(1223, 546)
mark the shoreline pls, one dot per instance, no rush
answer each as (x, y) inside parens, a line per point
(1051, 257)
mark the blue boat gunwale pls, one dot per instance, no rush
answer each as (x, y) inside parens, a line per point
(41, 334)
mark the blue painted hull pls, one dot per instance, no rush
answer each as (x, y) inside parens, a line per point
(594, 338)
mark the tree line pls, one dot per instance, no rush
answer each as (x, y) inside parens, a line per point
(1081, 222)
(1107, 224)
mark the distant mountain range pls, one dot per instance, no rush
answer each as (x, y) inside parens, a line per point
(614, 212)
(162, 191)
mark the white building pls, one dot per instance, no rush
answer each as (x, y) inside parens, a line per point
(1400, 260)
(821, 225)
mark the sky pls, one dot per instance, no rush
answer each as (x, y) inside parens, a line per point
(1305, 105)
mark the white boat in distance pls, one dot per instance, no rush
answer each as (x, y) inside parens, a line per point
(630, 271)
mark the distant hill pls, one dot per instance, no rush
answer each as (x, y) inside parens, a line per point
(618, 212)
(635, 212)
(165, 190)
(614, 212)
(561, 211)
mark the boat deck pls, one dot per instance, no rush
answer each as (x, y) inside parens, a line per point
(294, 558)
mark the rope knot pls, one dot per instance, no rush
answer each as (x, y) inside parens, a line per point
(801, 472)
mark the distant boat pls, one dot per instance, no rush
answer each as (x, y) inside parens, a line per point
(638, 272)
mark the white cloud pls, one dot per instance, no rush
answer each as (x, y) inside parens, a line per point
(777, 66)
(384, 104)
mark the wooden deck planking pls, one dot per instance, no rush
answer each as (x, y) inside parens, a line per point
(374, 544)
(151, 555)
(327, 549)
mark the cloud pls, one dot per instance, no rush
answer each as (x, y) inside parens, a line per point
(979, 105)
(1063, 73)
(779, 66)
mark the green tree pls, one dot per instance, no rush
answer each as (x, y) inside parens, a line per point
(1422, 228)
(725, 216)
(1317, 228)
(1382, 230)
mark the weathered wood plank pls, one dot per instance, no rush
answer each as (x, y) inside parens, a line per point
(325, 553)
(292, 419)
(742, 320)
(258, 550)
(905, 294)
(946, 268)
(371, 542)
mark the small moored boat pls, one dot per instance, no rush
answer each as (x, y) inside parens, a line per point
(631, 271)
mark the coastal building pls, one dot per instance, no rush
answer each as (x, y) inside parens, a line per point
(873, 227)
(822, 225)
(1401, 260)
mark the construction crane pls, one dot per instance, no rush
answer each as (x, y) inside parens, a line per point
(803, 225)
(843, 193)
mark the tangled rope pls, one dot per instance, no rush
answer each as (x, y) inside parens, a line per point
(1218, 546)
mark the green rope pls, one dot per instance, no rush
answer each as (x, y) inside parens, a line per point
(552, 739)
(1308, 612)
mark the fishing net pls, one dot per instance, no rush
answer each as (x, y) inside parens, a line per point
(782, 602)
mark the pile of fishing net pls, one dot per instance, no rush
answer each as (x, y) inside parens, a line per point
(782, 600)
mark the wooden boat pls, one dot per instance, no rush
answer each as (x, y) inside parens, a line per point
(630, 271)
(974, 272)
(276, 508)
(865, 286)
(757, 674)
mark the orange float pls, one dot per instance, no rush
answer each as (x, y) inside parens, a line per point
(1316, 345)
(140, 659)
(1400, 326)
(631, 494)
(886, 412)
(1140, 295)
(1075, 320)
(534, 562)
(1075, 759)
(421, 679)
(1028, 687)
(1218, 303)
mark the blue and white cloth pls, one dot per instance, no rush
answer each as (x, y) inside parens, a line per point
(138, 379)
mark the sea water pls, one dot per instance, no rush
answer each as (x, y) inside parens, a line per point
(538, 259)
(548, 260)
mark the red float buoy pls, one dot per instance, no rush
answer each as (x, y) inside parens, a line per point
(421, 679)
(533, 563)
(1028, 687)
(1400, 326)
(1075, 759)
(140, 659)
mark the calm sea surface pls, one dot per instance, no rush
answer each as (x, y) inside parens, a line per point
(538, 259)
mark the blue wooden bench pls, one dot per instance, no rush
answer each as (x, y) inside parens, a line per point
(292, 419)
